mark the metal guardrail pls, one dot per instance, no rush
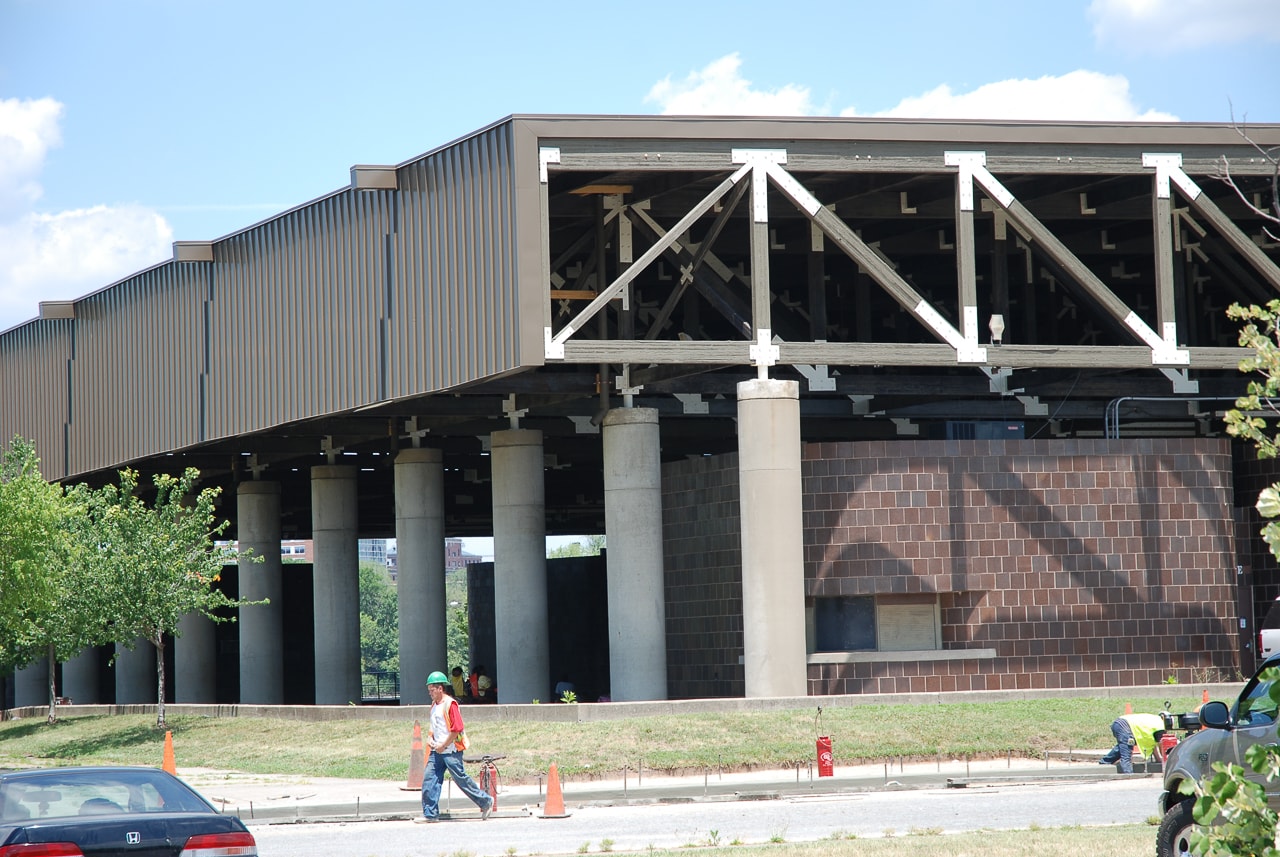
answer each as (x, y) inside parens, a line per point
(380, 686)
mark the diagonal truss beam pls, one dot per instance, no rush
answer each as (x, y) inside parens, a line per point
(555, 344)
(972, 165)
(1169, 172)
(967, 351)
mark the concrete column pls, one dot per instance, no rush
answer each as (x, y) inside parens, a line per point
(136, 674)
(419, 477)
(195, 660)
(336, 584)
(774, 654)
(523, 669)
(31, 683)
(261, 625)
(81, 678)
(633, 534)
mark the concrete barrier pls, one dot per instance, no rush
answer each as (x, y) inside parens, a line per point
(597, 711)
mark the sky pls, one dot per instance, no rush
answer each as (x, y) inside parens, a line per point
(128, 125)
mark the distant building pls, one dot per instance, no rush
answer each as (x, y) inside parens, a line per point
(373, 550)
(455, 558)
(296, 550)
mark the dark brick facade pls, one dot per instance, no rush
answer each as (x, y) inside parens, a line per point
(1083, 563)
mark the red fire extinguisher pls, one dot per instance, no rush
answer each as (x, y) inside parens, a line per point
(826, 762)
(1168, 741)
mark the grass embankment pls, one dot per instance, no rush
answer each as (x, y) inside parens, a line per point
(685, 743)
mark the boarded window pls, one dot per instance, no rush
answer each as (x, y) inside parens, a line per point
(908, 623)
(885, 623)
(846, 624)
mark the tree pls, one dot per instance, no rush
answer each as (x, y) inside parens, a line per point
(592, 546)
(379, 620)
(1233, 809)
(1270, 156)
(156, 564)
(47, 608)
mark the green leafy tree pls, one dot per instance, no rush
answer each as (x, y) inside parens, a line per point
(48, 607)
(457, 626)
(379, 620)
(1248, 421)
(31, 516)
(590, 546)
(156, 564)
(1233, 808)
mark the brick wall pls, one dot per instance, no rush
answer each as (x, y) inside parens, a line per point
(702, 557)
(1084, 563)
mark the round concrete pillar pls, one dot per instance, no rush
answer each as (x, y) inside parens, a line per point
(419, 478)
(81, 679)
(195, 660)
(136, 680)
(261, 625)
(31, 684)
(774, 657)
(336, 584)
(523, 671)
(633, 534)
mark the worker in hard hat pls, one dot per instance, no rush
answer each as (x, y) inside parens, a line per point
(447, 739)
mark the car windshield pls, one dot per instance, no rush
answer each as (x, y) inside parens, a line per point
(58, 794)
(1256, 705)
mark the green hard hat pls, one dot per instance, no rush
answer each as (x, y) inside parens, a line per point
(437, 677)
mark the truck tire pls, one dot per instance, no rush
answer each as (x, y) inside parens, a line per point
(1174, 836)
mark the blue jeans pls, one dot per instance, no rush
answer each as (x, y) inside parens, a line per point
(1122, 752)
(433, 779)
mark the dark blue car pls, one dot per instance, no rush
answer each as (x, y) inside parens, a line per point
(110, 812)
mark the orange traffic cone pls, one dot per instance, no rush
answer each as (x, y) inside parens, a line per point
(417, 762)
(553, 806)
(169, 764)
(1128, 708)
(1204, 697)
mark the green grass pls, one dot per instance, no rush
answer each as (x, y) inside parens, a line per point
(686, 743)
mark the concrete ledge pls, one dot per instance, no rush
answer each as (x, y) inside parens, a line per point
(897, 657)
(599, 711)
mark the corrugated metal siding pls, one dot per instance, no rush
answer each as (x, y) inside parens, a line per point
(454, 299)
(34, 390)
(353, 299)
(294, 314)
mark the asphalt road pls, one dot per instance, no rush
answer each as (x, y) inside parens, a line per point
(1118, 800)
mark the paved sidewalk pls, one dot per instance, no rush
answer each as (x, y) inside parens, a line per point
(272, 799)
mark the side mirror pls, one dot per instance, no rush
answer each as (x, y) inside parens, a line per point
(1215, 715)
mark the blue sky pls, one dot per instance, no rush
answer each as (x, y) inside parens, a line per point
(127, 125)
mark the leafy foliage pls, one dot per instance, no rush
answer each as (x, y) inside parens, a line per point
(33, 547)
(155, 564)
(379, 620)
(591, 546)
(1246, 421)
(1232, 807)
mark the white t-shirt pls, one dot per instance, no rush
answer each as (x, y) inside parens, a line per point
(440, 723)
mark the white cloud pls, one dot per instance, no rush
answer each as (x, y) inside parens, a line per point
(1075, 96)
(719, 90)
(59, 255)
(65, 255)
(28, 130)
(1166, 26)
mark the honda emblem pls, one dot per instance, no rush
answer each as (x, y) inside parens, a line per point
(133, 837)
